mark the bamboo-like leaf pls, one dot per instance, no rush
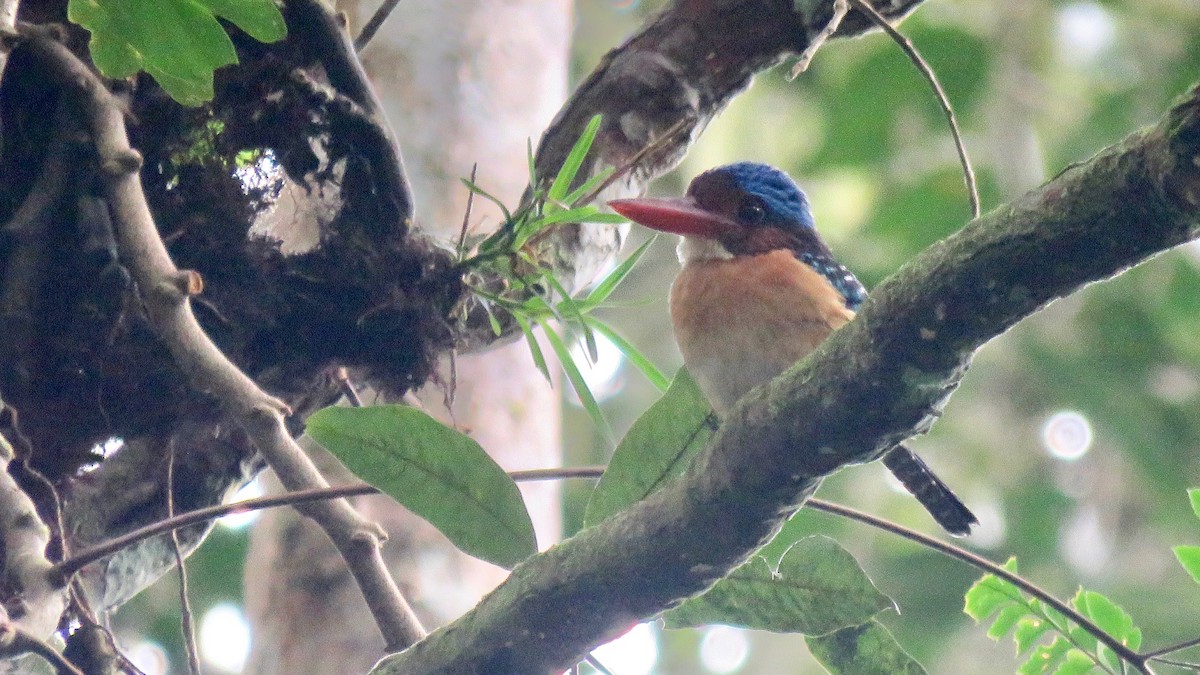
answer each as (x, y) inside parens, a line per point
(434, 471)
(568, 308)
(588, 185)
(508, 218)
(578, 383)
(535, 349)
(570, 167)
(614, 278)
(639, 360)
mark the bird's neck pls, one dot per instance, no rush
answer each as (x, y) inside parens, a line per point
(700, 249)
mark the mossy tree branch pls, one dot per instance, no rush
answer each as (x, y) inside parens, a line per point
(878, 381)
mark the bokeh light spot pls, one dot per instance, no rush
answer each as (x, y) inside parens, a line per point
(1067, 435)
(634, 653)
(149, 657)
(603, 377)
(225, 638)
(724, 649)
(241, 519)
(1085, 32)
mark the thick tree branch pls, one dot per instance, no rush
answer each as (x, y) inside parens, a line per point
(165, 291)
(878, 381)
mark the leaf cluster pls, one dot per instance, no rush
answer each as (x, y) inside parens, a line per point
(529, 292)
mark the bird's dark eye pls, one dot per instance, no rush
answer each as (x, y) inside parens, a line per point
(752, 211)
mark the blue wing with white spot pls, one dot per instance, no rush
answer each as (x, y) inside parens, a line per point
(842, 279)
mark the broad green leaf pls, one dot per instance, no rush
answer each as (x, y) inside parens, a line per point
(817, 589)
(659, 445)
(566, 174)
(1194, 498)
(639, 360)
(434, 471)
(868, 649)
(178, 42)
(578, 383)
(1189, 557)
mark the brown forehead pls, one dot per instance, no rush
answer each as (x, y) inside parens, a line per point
(715, 191)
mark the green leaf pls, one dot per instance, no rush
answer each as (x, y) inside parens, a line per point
(1029, 629)
(434, 471)
(578, 383)
(659, 445)
(614, 278)
(1006, 620)
(1194, 498)
(178, 42)
(639, 360)
(535, 349)
(868, 649)
(990, 593)
(1075, 663)
(566, 175)
(1189, 557)
(508, 217)
(1045, 657)
(818, 588)
(1109, 616)
(588, 185)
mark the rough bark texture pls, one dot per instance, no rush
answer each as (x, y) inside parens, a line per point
(881, 379)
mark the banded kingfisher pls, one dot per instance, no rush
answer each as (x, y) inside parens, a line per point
(758, 291)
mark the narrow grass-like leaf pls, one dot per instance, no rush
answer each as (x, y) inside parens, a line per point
(570, 167)
(529, 157)
(614, 278)
(434, 471)
(868, 649)
(588, 185)
(568, 308)
(508, 218)
(639, 360)
(818, 588)
(535, 349)
(658, 447)
(578, 383)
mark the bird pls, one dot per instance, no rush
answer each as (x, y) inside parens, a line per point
(759, 290)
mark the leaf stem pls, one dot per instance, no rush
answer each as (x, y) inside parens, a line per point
(1133, 658)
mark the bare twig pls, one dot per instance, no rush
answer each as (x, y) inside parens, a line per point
(347, 387)
(185, 604)
(927, 71)
(20, 641)
(1186, 644)
(165, 292)
(372, 26)
(835, 21)
(67, 568)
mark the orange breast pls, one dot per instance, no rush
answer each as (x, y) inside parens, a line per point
(741, 322)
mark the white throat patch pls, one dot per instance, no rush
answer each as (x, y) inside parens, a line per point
(699, 249)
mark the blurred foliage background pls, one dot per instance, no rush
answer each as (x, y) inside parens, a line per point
(1073, 437)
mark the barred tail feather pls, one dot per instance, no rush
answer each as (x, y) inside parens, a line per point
(930, 491)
